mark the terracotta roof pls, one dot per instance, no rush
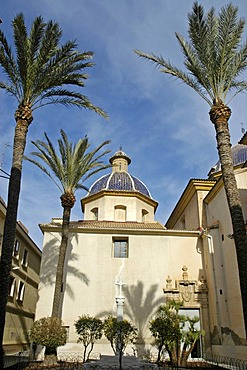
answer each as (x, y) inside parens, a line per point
(93, 224)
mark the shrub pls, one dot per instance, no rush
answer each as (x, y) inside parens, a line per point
(119, 333)
(49, 332)
(89, 330)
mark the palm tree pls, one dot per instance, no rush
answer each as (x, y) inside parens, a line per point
(215, 58)
(68, 169)
(40, 72)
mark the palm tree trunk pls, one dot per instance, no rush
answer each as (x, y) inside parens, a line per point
(21, 130)
(56, 308)
(186, 353)
(219, 115)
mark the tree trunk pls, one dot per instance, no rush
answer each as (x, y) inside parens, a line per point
(220, 115)
(21, 130)
(159, 352)
(90, 351)
(186, 353)
(50, 357)
(172, 352)
(56, 308)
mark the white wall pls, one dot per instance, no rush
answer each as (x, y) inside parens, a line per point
(92, 272)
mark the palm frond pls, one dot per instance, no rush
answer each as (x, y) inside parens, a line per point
(202, 32)
(9, 66)
(47, 153)
(197, 69)
(167, 67)
(213, 54)
(9, 88)
(40, 68)
(67, 97)
(42, 168)
(35, 38)
(21, 46)
(198, 31)
(34, 44)
(71, 164)
(48, 45)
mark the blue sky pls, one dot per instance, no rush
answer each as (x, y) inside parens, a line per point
(161, 124)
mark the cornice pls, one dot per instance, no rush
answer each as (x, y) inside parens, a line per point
(56, 228)
(214, 191)
(193, 186)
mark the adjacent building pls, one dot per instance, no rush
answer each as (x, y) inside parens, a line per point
(23, 288)
(118, 243)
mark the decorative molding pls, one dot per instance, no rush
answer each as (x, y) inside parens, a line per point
(190, 292)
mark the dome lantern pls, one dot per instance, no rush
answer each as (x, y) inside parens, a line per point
(120, 161)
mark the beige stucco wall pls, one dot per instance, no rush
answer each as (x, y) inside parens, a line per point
(192, 216)
(222, 269)
(92, 273)
(106, 208)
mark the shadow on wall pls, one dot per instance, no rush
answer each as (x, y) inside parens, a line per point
(139, 307)
(49, 263)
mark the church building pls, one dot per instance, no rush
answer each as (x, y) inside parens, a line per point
(119, 248)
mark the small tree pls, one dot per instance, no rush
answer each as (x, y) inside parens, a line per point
(89, 330)
(165, 329)
(189, 338)
(119, 333)
(49, 332)
(174, 332)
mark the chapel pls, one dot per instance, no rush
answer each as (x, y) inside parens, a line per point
(118, 243)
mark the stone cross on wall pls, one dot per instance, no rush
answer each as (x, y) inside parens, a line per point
(120, 300)
(120, 284)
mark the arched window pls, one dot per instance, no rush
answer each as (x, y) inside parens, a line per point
(120, 213)
(95, 213)
(144, 215)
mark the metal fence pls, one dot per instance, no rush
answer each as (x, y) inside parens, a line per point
(16, 362)
(226, 362)
(74, 361)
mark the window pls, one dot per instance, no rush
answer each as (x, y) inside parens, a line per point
(192, 313)
(120, 247)
(120, 213)
(11, 286)
(16, 248)
(25, 257)
(144, 215)
(95, 213)
(21, 289)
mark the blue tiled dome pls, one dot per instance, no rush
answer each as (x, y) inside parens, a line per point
(120, 181)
